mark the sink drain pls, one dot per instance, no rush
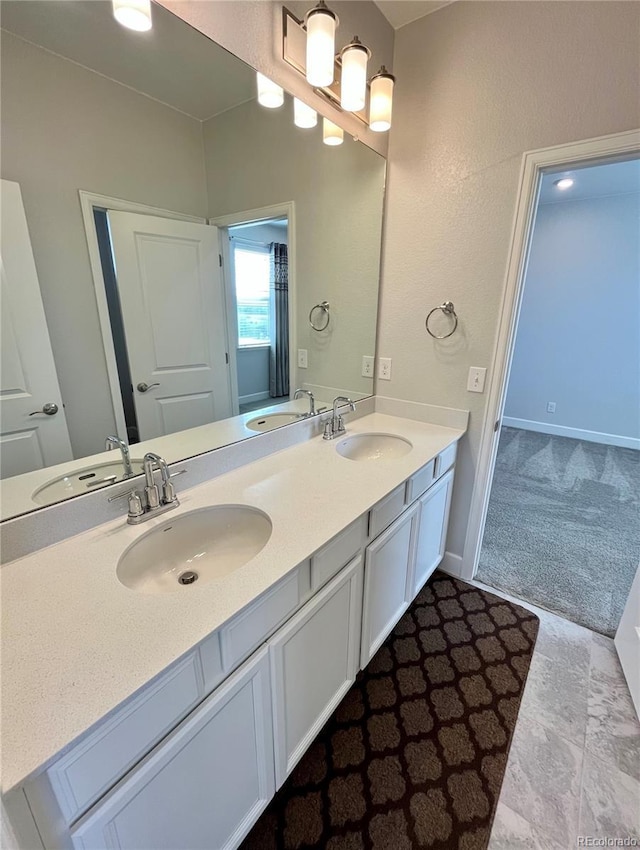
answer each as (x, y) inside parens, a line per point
(188, 578)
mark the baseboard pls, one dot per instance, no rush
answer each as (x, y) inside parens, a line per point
(572, 433)
(451, 564)
(249, 399)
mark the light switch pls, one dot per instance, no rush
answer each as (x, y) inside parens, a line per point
(367, 366)
(384, 368)
(475, 382)
(302, 358)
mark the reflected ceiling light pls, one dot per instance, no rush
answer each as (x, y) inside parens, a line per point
(381, 100)
(331, 133)
(321, 45)
(133, 14)
(303, 115)
(563, 183)
(269, 94)
(353, 76)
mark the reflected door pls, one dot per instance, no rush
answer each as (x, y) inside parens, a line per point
(33, 427)
(172, 301)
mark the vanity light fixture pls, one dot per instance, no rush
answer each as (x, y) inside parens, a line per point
(321, 25)
(381, 100)
(303, 115)
(269, 94)
(331, 133)
(563, 183)
(133, 14)
(353, 76)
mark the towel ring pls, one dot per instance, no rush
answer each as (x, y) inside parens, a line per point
(324, 306)
(448, 310)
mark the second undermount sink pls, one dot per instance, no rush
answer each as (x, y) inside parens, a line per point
(373, 447)
(82, 481)
(195, 547)
(272, 420)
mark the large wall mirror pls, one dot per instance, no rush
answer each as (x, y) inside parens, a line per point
(177, 260)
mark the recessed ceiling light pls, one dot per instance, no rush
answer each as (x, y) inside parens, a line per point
(563, 183)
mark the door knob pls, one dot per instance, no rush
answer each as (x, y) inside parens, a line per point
(143, 387)
(50, 409)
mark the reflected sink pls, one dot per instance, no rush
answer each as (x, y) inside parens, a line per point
(272, 420)
(81, 481)
(194, 548)
(373, 447)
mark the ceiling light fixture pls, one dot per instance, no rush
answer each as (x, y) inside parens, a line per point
(269, 94)
(563, 183)
(331, 133)
(321, 45)
(303, 115)
(133, 14)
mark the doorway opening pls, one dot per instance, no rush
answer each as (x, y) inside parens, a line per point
(561, 529)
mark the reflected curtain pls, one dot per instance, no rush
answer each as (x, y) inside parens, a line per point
(279, 299)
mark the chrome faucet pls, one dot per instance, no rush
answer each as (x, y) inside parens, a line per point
(334, 427)
(151, 501)
(312, 401)
(112, 443)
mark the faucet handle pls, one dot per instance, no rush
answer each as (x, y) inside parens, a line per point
(136, 508)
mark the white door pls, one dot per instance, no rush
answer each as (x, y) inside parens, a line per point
(204, 786)
(432, 530)
(29, 438)
(172, 301)
(627, 641)
(314, 661)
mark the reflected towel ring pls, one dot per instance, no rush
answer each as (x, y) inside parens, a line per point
(324, 306)
(448, 310)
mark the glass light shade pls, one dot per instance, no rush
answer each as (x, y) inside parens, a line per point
(269, 94)
(133, 14)
(381, 102)
(331, 133)
(304, 116)
(353, 78)
(321, 47)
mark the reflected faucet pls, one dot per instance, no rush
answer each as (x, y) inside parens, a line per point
(312, 401)
(112, 443)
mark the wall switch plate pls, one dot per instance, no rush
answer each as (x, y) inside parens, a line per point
(302, 358)
(384, 368)
(551, 407)
(475, 381)
(367, 366)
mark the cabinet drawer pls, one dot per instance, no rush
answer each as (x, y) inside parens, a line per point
(446, 459)
(94, 765)
(329, 560)
(253, 626)
(384, 513)
(420, 482)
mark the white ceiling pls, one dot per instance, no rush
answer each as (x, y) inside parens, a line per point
(172, 63)
(401, 12)
(596, 181)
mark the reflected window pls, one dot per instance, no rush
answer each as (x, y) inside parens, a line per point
(252, 294)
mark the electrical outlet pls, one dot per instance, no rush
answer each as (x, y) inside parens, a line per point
(384, 368)
(475, 381)
(302, 358)
(367, 366)
(551, 407)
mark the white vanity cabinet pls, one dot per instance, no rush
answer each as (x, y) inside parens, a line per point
(431, 534)
(205, 785)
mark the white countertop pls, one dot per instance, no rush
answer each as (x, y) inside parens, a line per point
(76, 642)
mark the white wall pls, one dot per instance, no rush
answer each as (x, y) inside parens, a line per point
(578, 339)
(65, 128)
(479, 83)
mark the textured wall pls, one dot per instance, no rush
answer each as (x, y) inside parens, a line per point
(479, 83)
(578, 340)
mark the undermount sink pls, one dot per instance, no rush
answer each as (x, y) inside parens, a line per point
(373, 447)
(272, 420)
(82, 481)
(197, 547)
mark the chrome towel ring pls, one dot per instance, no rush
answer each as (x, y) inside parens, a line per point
(322, 321)
(448, 310)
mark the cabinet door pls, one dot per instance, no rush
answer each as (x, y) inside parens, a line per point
(205, 785)
(432, 530)
(388, 567)
(314, 661)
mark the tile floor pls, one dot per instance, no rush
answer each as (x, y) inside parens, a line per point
(574, 764)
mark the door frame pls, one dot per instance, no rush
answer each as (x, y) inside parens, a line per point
(534, 164)
(89, 200)
(223, 222)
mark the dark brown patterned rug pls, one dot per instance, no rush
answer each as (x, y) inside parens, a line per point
(415, 754)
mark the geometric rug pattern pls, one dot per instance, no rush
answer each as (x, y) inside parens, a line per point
(415, 754)
(563, 526)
